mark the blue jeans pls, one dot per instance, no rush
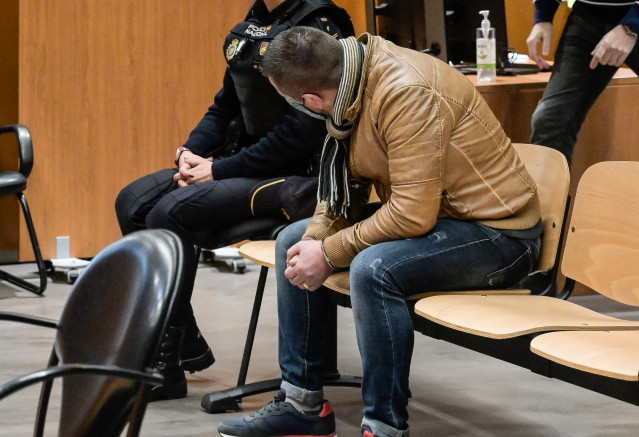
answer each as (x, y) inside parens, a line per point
(573, 86)
(454, 255)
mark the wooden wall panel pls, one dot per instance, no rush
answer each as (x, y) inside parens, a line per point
(8, 63)
(109, 91)
(9, 207)
(357, 10)
(520, 17)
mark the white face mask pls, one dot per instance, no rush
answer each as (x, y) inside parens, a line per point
(305, 110)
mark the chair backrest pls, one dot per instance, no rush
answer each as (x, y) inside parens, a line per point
(115, 315)
(549, 169)
(25, 146)
(602, 242)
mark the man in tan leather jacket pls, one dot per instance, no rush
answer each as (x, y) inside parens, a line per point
(458, 211)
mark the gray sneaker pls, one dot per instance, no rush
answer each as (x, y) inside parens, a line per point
(366, 432)
(279, 418)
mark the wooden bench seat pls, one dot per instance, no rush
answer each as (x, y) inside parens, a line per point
(601, 252)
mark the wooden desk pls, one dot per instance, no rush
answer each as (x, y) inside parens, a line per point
(514, 98)
(624, 76)
(610, 132)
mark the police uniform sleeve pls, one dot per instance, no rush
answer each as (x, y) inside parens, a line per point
(210, 133)
(632, 18)
(545, 10)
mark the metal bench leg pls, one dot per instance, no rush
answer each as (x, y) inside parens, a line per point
(230, 399)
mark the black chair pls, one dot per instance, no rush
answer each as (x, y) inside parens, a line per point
(108, 337)
(14, 183)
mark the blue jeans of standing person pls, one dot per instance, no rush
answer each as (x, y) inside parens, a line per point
(454, 255)
(573, 86)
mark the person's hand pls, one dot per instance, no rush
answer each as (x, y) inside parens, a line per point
(306, 266)
(193, 169)
(613, 49)
(540, 33)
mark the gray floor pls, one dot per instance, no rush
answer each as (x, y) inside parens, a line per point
(456, 392)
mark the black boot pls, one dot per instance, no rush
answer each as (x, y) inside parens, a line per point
(168, 365)
(196, 353)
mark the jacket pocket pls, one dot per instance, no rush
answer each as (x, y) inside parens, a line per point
(510, 275)
(453, 205)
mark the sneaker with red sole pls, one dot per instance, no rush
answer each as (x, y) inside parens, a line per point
(366, 432)
(280, 419)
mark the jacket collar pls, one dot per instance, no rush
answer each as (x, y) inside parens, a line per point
(371, 43)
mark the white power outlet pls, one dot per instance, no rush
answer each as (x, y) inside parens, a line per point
(63, 247)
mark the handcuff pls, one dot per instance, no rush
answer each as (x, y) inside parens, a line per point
(629, 31)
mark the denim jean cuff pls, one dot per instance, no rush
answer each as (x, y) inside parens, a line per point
(380, 429)
(302, 395)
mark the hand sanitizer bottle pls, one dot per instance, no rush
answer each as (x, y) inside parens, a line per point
(486, 59)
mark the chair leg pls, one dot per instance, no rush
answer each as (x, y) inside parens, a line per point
(42, 270)
(250, 336)
(138, 410)
(43, 402)
(229, 399)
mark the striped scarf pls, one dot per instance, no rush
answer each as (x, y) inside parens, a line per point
(334, 175)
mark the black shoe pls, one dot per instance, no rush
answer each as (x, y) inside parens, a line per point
(168, 365)
(280, 418)
(196, 354)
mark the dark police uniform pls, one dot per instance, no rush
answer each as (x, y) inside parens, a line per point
(267, 139)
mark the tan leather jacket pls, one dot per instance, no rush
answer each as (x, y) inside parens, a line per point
(429, 143)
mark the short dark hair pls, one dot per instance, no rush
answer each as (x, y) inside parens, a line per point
(303, 59)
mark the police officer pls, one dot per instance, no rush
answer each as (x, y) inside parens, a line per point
(248, 136)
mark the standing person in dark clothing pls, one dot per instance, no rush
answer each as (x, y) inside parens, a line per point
(599, 37)
(248, 136)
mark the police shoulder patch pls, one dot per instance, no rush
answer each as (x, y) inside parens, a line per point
(232, 49)
(263, 48)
